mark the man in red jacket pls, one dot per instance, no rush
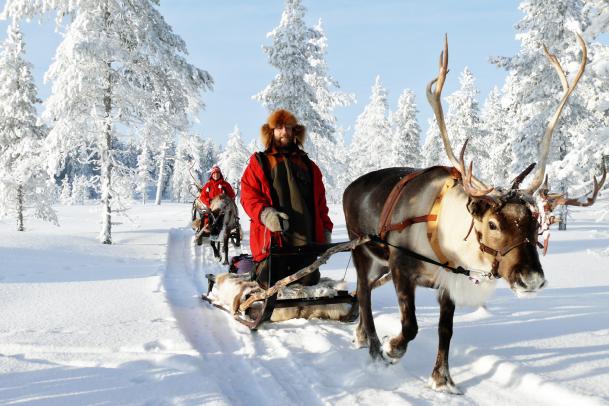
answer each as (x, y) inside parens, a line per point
(215, 186)
(283, 194)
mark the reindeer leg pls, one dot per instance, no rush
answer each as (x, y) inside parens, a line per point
(440, 379)
(401, 269)
(365, 332)
(225, 248)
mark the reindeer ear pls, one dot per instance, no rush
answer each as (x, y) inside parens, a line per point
(477, 207)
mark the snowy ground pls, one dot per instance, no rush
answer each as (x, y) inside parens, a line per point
(83, 323)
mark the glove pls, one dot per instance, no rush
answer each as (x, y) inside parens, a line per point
(274, 220)
(328, 235)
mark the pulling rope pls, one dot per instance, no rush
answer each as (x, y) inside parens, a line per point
(458, 270)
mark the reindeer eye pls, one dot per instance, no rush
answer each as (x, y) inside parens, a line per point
(492, 225)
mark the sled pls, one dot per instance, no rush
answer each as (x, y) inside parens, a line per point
(258, 307)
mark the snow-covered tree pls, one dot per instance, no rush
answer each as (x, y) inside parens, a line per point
(405, 133)
(119, 65)
(494, 125)
(144, 165)
(290, 53)
(65, 195)
(322, 147)
(340, 169)
(186, 166)
(463, 122)
(208, 157)
(532, 89)
(433, 150)
(233, 160)
(371, 144)
(80, 190)
(23, 182)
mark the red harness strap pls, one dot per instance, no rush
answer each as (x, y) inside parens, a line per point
(384, 223)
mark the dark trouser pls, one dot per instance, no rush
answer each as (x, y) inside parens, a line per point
(280, 266)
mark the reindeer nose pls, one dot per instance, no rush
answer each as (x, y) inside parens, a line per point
(531, 281)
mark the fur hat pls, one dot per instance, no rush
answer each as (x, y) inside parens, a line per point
(215, 169)
(278, 118)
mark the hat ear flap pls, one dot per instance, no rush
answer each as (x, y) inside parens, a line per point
(266, 135)
(300, 134)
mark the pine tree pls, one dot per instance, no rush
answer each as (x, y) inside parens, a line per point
(291, 53)
(322, 147)
(433, 150)
(144, 165)
(370, 146)
(119, 64)
(233, 160)
(187, 159)
(405, 133)
(463, 121)
(532, 89)
(23, 182)
(494, 124)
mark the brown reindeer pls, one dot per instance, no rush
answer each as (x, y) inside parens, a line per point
(447, 215)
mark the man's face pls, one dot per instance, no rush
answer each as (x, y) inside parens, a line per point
(216, 175)
(283, 136)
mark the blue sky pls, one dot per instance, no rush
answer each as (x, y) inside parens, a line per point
(399, 40)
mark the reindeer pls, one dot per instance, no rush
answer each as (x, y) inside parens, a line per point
(444, 215)
(225, 225)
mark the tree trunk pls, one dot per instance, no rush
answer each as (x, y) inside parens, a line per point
(106, 167)
(20, 208)
(159, 183)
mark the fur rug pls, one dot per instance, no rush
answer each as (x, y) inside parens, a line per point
(230, 290)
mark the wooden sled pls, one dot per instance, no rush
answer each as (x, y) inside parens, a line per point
(258, 307)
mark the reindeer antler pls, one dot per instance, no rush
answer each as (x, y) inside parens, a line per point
(518, 179)
(547, 138)
(434, 98)
(561, 200)
(197, 184)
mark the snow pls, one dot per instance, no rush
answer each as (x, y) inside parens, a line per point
(86, 323)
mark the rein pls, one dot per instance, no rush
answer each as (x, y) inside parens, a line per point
(458, 270)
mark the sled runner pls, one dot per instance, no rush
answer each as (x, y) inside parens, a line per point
(252, 305)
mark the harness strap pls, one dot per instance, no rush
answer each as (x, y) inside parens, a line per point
(431, 219)
(432, 226)
(391, 201)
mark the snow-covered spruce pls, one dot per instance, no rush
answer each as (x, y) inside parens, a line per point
(119, 65)
(233, 159)
(24, 184)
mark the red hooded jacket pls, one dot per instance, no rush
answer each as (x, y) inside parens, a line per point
(215, 188)
(256, 195)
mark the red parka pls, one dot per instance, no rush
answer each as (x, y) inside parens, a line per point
(215, 188)
(256, 195)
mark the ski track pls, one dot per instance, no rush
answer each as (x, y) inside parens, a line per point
(209, 330)
(271, 372)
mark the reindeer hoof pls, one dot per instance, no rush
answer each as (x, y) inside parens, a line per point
(390, 354)
(360, 340)
(445, 385)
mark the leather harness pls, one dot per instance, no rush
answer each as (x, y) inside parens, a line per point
(431, 219)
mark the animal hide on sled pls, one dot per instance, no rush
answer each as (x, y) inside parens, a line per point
(230, 290)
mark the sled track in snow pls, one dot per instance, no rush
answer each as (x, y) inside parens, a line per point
(277, 366)
(228, 350)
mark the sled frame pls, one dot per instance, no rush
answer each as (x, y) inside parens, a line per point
(259, 315)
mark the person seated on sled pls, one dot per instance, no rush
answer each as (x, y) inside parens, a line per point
(282, 192)
(215, 186)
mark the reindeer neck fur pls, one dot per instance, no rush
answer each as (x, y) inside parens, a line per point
(454, 222)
